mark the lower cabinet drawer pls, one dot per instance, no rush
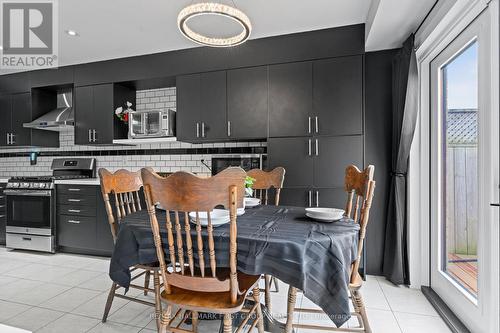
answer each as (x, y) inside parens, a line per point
(76, 231)
(76, 210)
(76, 200)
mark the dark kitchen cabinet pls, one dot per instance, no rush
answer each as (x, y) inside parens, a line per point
(188, 108)
(201, 107)
(300, 197)
(247, 103)
(294, 154)
(332, 155)
(95, 120)
(3, 214)
(338, 96)
(290, 99)
(15, 110)
(313, 197)
(82, 224)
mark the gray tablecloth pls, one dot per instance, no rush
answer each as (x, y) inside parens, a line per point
(281, 241)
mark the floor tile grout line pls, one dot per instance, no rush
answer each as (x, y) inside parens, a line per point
(390, 307)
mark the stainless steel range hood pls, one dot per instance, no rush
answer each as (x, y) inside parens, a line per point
(59, 118)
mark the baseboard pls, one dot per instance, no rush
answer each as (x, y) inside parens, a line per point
(450, 319)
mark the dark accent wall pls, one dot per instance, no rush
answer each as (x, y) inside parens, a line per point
(378, 132)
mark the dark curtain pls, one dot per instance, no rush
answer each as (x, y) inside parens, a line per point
(404, 117)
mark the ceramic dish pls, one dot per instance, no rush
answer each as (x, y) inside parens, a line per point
(252, 202)
(325, 214)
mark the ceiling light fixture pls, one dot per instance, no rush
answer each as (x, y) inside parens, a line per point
(72, 33)
(212, 8)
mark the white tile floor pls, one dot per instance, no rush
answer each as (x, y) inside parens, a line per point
(66, 293)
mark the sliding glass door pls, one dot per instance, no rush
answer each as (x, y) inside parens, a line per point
(464, 160)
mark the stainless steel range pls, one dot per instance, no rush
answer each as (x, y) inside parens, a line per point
(30, 204)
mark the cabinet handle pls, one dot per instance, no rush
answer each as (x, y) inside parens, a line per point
(26, 239)
(8, 138)
(2, 216)
(317, 148)
(74, 221)
(90, 135)
(310, 149)
(74, 189)
(310, 198)
(228, 128)
(309, 125)
(94, 135)
(317, 198)
(74, 200)
(74, 210)
(197, 130)
(316, 123)
(12, 138)
(202, 129)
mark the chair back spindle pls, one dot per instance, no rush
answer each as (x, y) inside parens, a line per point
(359, 186)
(182, 193)
(264, 181)
(121, 190)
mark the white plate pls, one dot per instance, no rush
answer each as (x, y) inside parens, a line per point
(218, 216)
(252, 202)
(325, 214)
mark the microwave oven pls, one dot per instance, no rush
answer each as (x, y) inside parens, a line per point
(151, 124)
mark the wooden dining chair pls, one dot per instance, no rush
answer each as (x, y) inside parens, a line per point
(193, 279)
(121, 190)
(359, 186)
(264, 182)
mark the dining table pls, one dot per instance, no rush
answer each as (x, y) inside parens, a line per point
(281, 241)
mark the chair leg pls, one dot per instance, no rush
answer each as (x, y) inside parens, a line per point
(292, 299)
(109, 302)
(147, 277)
(359, 307)
(260, 317)
(194, 318)
(228, 323)
(267, 291)
(158, 312)
(165, 319)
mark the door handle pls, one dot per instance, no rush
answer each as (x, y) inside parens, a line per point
(309, 125)
(317, 148)
(202, 129)
(90, 135)
(94, 135)
(12, 136)
(496, 204)
(228, 128)
(310, 144)
(310, 198)
(8, 138)
(197, 130)
(316, 123)
(317, 198)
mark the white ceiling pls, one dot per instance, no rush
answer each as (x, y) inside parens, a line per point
(119, 28)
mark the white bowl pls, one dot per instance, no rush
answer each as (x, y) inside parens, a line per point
(252, 202)
(218, 216)
(325, 214)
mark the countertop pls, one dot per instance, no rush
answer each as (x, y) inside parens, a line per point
(90, 181)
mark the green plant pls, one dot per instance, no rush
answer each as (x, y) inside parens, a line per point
(249, 181)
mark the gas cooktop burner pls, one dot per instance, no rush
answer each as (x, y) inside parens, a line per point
(46, 178)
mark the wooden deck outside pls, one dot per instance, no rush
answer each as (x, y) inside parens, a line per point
(463, 268)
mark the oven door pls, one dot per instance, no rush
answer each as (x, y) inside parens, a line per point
(29, 212)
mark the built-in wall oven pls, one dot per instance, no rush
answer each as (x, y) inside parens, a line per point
(245, 161)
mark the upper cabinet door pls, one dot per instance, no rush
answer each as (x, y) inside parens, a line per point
(5, 119)
(290, 99)
(103, 113)
(247, 103)
(338, 96)
(188, 108)
(332, 155)
(295, 155)
(84, 112)
(213, 106)
(21, 113)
